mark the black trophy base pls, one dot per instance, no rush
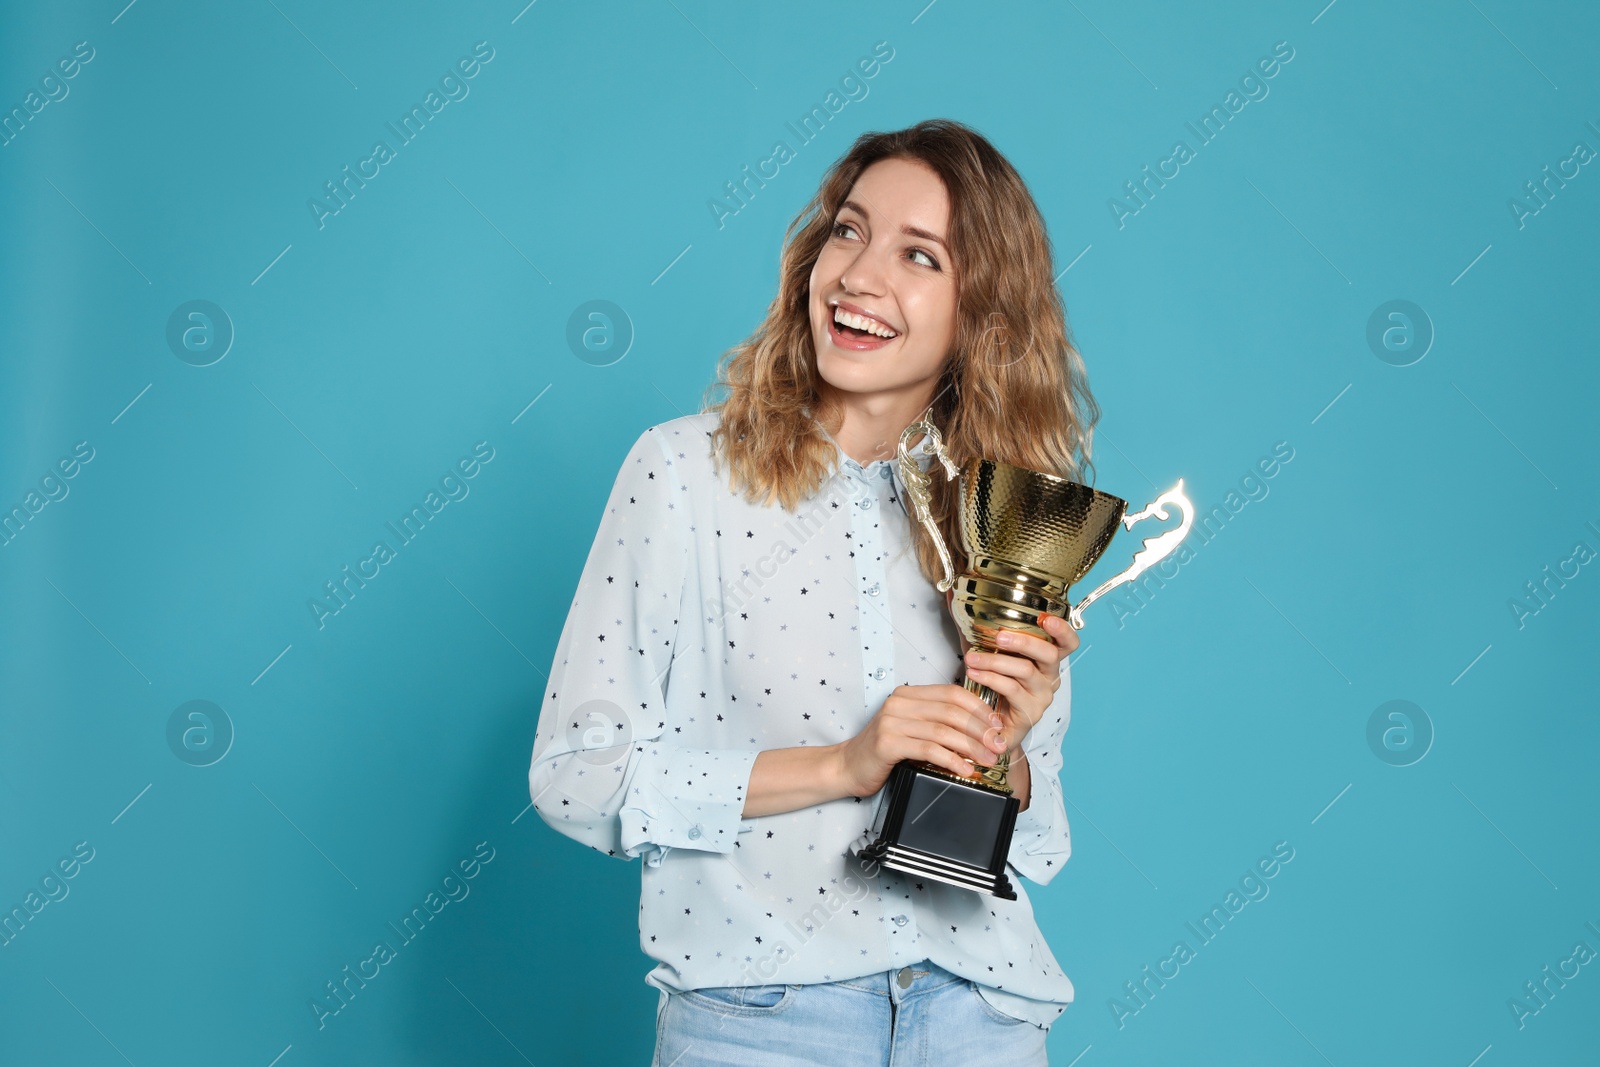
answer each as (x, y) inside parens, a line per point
(935, 825)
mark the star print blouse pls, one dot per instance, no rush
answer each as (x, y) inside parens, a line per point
(705, 629)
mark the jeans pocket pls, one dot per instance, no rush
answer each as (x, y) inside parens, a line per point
(743, 999)
(661, 1013)
(989, 1010)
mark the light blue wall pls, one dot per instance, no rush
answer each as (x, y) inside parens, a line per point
(372, 753)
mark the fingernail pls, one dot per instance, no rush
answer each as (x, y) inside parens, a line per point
(1005, 637)
(994, 720)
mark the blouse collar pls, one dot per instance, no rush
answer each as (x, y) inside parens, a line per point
(880, 469)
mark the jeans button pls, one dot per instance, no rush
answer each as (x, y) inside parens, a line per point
(904, 978)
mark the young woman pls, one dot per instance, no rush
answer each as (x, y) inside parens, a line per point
(756, 639)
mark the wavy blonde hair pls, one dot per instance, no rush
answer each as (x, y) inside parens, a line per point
(1013, 386)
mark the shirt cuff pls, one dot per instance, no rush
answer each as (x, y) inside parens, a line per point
(1033, 822)
(685, 798)
(1034, 818)
(1040, 840)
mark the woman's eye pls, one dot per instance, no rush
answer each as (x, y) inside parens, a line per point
(844, 229)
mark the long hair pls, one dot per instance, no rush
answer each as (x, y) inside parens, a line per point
(1013, 386)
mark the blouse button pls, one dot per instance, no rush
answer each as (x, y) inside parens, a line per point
(694, 832)
(866, 503)
(899, 920)
(881, 673)
(873, 589)
(884, 473)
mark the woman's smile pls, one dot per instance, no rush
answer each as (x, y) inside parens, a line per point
(851, 327)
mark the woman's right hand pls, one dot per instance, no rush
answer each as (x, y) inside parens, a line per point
(944, 725)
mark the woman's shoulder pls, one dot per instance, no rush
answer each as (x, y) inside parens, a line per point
(694, 428)
(686, 441)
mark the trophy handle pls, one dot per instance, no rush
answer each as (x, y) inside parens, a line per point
(1154, 551)
(918, 482)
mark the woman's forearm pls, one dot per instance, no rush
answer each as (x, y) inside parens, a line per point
(784, 779)
(1018, 778)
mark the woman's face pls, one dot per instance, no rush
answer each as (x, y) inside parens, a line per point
(886, 262)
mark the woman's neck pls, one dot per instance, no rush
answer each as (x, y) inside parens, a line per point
(871, 426)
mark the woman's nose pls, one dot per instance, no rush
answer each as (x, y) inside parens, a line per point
(864, 274)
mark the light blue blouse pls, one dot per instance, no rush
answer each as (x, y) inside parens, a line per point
(705, 629)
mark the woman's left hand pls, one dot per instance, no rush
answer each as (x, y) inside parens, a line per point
(1025, 674)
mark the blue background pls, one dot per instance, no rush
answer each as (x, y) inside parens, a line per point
(370, 755)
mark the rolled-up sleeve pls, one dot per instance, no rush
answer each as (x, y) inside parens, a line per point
(685, 798)
(604, 772)
(1041, 840)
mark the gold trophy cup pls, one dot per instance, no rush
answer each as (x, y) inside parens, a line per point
(1028, 536)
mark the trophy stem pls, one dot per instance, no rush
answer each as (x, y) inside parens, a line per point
(995, 776)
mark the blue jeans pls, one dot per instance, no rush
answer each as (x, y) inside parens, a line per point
(911, 1017)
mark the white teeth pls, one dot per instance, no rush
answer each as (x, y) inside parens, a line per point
(860, 322)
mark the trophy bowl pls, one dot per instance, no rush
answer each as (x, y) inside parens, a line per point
(1028, 536)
